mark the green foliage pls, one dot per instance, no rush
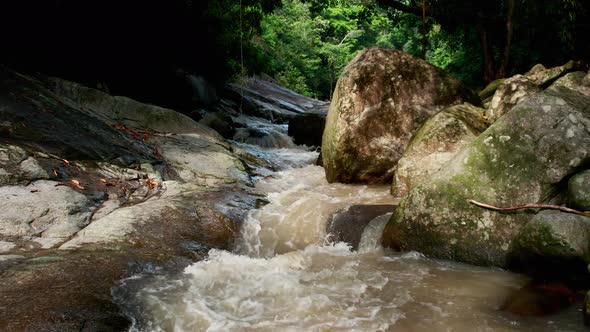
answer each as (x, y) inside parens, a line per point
(308, 44)
(305, 44)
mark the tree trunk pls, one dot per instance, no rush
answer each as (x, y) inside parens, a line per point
(424, 30)
(508, 45)
(488, 58)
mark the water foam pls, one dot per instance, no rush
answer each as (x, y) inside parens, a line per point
(283, 277)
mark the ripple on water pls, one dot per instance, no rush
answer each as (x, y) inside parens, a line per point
(283, 277)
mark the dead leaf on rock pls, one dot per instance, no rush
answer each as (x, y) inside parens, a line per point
(77, 184)
(151, 183)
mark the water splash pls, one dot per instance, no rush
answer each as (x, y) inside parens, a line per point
(283, 277)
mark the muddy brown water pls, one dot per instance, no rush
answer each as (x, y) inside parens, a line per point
(284, 276)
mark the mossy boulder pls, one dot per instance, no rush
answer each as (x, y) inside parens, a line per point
(555, 235)
(577, 81)
(520, 159)
(380, 100)
(435, 143)
(543, 77)
(579, 191)
(126, 111)
(490, 89)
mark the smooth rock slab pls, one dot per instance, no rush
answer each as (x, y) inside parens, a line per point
(44, 208)
(198, 160)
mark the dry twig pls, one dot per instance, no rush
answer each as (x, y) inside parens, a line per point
(530, 206)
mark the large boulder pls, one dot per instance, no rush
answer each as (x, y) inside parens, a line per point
(577, 81)
(380, 100)
(435, 143)
(268, 100)
(555, 235)
(488, 92)
(520, 159)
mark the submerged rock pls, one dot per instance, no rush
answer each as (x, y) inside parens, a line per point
(519, 159)
(380, 100)
(348, 225)
(435, 143)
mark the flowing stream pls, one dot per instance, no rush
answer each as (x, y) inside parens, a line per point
(284, 276)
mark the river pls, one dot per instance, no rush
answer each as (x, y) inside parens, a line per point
(284, 276)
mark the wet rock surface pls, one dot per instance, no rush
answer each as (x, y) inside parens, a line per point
(267, 100)
(96, 188)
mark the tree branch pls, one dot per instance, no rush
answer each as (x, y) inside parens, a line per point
(529, 206)
(402, 7)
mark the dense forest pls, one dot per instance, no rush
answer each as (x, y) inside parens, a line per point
(306, 44)
(294, 165)
(302, 44)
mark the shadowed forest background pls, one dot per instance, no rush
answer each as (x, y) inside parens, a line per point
(139, 48)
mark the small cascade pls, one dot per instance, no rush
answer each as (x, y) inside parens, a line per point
(267, 138)
(283, 276)
(371, 237)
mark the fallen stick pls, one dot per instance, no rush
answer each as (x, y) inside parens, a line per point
(530, 206)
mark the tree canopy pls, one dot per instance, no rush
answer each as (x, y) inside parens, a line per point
(305, 44)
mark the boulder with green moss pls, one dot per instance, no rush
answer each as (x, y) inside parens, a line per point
(555, 235)
(543, 77)
(380, 100)
(490, 89)
(579, 191)
(435, 143)
(520, 159)
(577, 81)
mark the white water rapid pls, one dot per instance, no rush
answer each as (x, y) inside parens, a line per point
(283, 276)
